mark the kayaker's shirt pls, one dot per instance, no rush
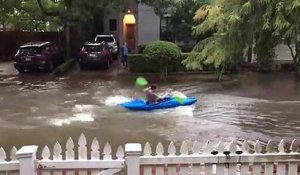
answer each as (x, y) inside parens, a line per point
(151, 96)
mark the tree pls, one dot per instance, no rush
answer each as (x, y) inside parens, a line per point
(7, 11)
(181, 19)
(87, 15)
(239, 27)
(286, 25)
(227, 43)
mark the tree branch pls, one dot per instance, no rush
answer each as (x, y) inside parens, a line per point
(292, 52)
(44, 12)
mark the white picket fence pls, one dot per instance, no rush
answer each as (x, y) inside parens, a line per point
(191, 159)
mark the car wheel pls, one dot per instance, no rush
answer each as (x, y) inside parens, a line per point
(50, 66)
(21, 70)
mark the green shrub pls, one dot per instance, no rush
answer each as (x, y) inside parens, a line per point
(162, 52)
(139, 63)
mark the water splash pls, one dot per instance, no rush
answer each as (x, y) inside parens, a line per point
(83, 113)
(178, 111)
(83, 117)
(115, 100)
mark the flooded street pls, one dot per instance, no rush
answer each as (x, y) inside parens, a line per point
(41, 109)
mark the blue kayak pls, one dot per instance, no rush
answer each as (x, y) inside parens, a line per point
(171, 102)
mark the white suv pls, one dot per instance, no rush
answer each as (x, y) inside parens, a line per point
(111, 41)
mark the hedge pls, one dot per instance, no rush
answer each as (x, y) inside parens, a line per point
(139, 63)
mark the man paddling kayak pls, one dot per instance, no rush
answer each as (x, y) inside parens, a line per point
(151, 95)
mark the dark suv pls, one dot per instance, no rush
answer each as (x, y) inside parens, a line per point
(38, 55)
(95, 54)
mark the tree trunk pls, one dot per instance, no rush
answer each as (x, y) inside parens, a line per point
(68, 39)
(220, 73)
(298, 70)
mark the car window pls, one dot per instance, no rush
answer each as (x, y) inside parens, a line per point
(29, 51)
(104, 38)
(93, 48)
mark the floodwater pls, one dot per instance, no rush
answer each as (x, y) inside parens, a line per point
(41, 109)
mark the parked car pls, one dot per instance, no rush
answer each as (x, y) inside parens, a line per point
(95, 54)
(38, 55)
(112, 43)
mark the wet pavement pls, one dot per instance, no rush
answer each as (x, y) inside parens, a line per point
(42, 109)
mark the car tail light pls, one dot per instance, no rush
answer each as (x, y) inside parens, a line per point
(101, 51)
(83, 52)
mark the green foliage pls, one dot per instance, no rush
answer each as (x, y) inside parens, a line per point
(226, 44)
(239, 26)
(89, 14)
(162, 50)
(181, 19)
(52, 15)
(23, 15)
(139, 63)
(160, 6)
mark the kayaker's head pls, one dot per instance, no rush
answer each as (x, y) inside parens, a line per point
(153, 87)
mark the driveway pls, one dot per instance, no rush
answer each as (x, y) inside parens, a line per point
(7, 68)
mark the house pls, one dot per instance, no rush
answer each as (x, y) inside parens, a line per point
(136, 25)
(283, 60)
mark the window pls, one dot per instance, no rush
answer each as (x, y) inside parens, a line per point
(112, 24)
(29, 51)
(105, 38)
(93, 48)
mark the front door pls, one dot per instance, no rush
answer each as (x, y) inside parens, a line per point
(130, 37)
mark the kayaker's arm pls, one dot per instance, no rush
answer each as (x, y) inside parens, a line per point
(146, 89)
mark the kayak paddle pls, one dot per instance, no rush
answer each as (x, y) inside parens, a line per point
(141, 81)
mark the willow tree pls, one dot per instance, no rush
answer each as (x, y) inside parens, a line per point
(227, 44)
(243, 26)
(285, 22)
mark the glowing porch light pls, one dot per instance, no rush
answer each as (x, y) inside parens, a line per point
(129, 18)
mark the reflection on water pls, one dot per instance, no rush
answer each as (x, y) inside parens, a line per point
(42, 110)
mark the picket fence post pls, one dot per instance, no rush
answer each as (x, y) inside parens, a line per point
(133, 152)
(27, 157)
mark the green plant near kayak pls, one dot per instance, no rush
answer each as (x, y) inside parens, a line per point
(162, 53)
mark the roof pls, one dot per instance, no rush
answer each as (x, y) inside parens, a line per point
(104, 35)
(35, 44)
